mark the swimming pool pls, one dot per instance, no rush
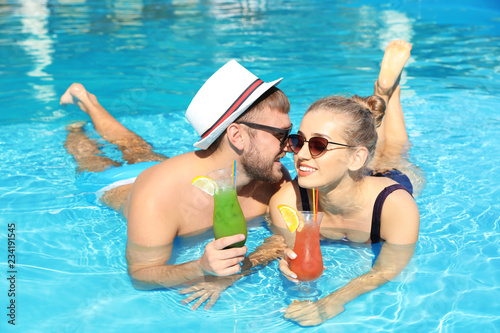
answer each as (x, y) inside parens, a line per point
(145, 60)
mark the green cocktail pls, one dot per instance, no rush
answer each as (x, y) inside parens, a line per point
(228, 216)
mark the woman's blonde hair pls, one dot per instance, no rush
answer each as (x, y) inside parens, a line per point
(363, 115)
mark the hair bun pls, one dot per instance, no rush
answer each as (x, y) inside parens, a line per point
(374, 104)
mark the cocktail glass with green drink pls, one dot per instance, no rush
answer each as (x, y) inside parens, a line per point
(228, 216)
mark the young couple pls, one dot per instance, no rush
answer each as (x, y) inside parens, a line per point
(239, 117)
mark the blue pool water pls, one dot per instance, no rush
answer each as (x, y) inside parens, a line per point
(146, 59)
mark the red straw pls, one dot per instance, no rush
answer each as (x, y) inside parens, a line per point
(316, 201)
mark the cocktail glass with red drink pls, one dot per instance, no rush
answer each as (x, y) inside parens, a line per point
(308, 265)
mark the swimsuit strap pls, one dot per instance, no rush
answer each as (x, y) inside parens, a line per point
(377, 210)
(304, 198)
(395, 175)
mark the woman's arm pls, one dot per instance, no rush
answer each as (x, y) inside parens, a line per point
(391, 261)
(400, 224)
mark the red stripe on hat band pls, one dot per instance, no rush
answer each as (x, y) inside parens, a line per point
(242, 98)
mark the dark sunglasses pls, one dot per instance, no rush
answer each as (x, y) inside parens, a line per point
(317, 144)
(281, 134)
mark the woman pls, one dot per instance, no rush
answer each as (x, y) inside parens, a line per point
(333, 152)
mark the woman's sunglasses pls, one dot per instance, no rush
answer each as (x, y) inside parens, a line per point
(317, 145)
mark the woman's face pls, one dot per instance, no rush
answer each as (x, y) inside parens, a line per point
(331, 167)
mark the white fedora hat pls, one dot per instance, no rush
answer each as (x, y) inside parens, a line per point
(224, 97)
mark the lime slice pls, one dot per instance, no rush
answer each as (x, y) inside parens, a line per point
(206, 184)
(291, 217)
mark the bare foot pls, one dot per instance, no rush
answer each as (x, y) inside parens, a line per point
(76, 94)
(395, 57)
(76, 127)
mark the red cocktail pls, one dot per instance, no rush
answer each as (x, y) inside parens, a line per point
(309, 262)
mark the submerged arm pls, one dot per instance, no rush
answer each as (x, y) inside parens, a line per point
(400, 224)
(391, 261)
(148, 270)
(153, 221)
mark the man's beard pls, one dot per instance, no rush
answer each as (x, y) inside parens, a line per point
(258, 169)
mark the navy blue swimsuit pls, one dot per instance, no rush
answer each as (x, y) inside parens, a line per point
(377, 207)
(395, 175)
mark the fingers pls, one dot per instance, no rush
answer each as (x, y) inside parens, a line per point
(224, 242)
(189, 290)
(202, 295)
(216, 260)
(228, 266)
(308, 322)
(200, 301)
(211, 302)
(298, 307)
(285, 267)
(194, 296)
(290, 254)
(304, 313)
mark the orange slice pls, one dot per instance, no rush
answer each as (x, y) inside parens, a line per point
(205, 184)
(291, 217)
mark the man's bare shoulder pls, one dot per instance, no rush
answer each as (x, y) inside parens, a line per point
(162, 199)
(168, 172)
(160, 188)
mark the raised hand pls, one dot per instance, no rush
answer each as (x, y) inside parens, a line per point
(218, 261)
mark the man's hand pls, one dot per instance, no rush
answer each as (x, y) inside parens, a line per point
(209, 289)
(218, 261)
(271, 249)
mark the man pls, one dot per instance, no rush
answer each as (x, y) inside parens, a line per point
(240, 118)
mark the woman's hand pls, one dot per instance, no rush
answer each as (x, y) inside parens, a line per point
(285, 266)
(309, 313)
(210, 290)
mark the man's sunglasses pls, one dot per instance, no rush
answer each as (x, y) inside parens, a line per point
(279, 133)
(317, 145)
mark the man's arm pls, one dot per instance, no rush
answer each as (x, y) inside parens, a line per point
(152, 225)
(147, 269)
(146, 264)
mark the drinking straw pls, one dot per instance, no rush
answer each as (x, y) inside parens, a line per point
(317, 200)
(234, 173)
(314, 200)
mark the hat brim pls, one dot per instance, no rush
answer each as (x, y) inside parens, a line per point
(207, 141)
